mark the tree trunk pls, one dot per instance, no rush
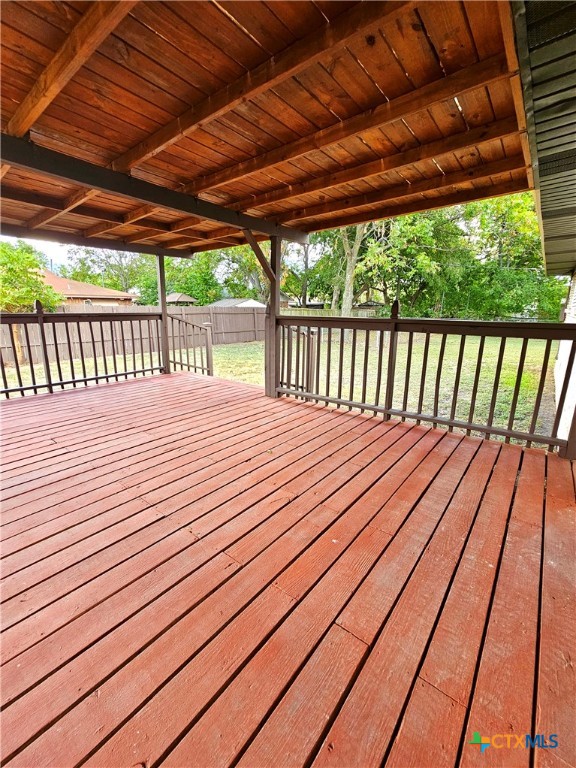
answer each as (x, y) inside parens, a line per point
(335, 296)
(351, 250)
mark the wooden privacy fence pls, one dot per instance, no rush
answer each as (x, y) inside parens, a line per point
(230, 325)
(45, 352)
(493, 379)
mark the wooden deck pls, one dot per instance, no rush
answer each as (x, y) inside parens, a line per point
(197, 575)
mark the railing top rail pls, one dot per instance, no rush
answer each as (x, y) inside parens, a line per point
(75, 317)
(539, 330)
(200, 326)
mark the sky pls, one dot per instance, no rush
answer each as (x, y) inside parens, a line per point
(55, 252)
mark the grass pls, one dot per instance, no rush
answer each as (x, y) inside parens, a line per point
(245, 363)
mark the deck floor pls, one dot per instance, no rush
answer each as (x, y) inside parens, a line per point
(197, 575)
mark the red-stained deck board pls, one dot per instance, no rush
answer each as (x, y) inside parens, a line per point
(197, 575)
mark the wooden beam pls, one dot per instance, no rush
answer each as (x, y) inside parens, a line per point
(433, 150)
(507, 24)
(75, 200)
(469, 79)
(4, 168)
(68, 238)
(399, 191)
(94, 26)
(424, 204)
(318, 45)
(24, 154)
(272, 337)
(129, 218)
(164, 341)
(259, 253)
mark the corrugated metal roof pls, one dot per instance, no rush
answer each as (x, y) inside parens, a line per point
(546, 41)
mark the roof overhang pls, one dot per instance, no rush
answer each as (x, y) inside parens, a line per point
(290, 118)
(546, 41)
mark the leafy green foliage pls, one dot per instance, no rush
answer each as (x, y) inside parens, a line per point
(21, 282)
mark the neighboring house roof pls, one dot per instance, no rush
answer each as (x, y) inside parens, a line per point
(237, 303)
(74, 289)
(174, 298)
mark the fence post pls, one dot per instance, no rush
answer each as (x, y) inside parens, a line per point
(209, 357)
(391, 359)
(164, 309)
(39, 309)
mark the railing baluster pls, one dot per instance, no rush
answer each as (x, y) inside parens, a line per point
(103, 345)
(341, 364)
(564, 390)
(124, 360)
(15, 353)
(4, 377)
(496, 385)
(457, 381)
(439, 377)
(365, 368)
(540, 390)
(352, 365)
(141, 347)
(94, 348)
(70, 355)
(81, 350)
(57, 354)
(283, 356)
(113, 347)
(408, 369)
(289, 334)
(318, 358)
(328, 361)
(297, 354)
(150, 345)
(423, 376)
(519, 373)
(30, 359)
(379, 367)
(476, 381)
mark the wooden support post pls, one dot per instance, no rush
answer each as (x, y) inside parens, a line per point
(209, 354)
(164, 309)
(569, 450)
(391, 359)
(272, 339)
(39, 309)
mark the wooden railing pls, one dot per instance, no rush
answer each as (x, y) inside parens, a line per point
(492, 379)
(47, 352)
(190, 346)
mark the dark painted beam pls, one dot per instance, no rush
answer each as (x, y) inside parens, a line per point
(20, 153)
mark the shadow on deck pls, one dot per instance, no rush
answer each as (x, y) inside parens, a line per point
(197, 575)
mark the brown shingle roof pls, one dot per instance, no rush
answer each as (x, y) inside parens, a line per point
(74, 289)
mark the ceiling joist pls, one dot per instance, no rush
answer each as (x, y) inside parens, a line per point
(74, 201)
(399, 191)
(94, 26)
(461, 82)
(320, 44)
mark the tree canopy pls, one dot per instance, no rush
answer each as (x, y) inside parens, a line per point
(21, 282)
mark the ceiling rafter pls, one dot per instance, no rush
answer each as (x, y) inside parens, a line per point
(390, 194)
(74, 201)
(432, 150)
(423, 204)
(94, 26)
(471, 78)
(318, 45)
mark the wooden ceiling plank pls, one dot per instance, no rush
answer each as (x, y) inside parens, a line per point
(391, 194)
(469, 79)
(433, 149)
(4, 168)
(94, 26)
(295, 59)
(78, 198)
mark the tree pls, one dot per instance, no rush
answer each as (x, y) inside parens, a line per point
(243, 277)
(195, 276)
(352, 238)
(21, 282)
(113, 269)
